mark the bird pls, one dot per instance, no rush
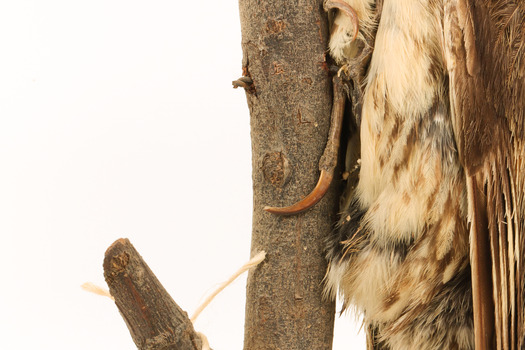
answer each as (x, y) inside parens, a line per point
(430, 244)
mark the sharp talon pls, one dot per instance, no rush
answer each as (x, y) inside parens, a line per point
(309, 201)
(347, 9)
(244, 82)
(328, 161)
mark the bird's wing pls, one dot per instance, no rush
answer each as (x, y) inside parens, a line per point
(484, 48)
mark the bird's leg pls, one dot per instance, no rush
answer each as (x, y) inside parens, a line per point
(328, 161)
(353, 76)
(356, 53)
(350, 78)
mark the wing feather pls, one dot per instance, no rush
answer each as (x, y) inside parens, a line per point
(484, 44)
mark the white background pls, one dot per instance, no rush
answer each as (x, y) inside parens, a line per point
(118, 119)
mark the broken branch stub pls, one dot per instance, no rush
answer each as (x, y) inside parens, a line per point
(154, 320)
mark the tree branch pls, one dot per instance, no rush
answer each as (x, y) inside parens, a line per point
(154, 320)
(284, 44)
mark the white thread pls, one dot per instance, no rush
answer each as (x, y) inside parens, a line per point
(93, 288)
(256, 260)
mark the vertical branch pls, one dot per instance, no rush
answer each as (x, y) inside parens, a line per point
(284, 44)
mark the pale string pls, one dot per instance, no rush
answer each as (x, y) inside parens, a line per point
(93, 288)
(256, 260)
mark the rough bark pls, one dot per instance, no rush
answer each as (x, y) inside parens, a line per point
(284, 44)
(154, 320)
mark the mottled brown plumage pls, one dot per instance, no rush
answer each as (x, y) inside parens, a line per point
(430, 245)
(486, 46)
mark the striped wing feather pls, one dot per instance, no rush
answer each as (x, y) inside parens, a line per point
(484, 43)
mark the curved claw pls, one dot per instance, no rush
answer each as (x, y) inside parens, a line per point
(347, 9)
(310, 200)
(328, 161)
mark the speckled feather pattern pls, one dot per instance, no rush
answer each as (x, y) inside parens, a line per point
(433, 231)
(400, 255)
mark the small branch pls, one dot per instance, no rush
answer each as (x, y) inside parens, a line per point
(244, 82)
(154, 320)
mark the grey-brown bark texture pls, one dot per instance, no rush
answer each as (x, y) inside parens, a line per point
(284, 44)
(154, 320)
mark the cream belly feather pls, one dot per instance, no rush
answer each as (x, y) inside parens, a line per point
(400, 254)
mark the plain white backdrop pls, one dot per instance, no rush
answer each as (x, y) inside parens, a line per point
(118, 119)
